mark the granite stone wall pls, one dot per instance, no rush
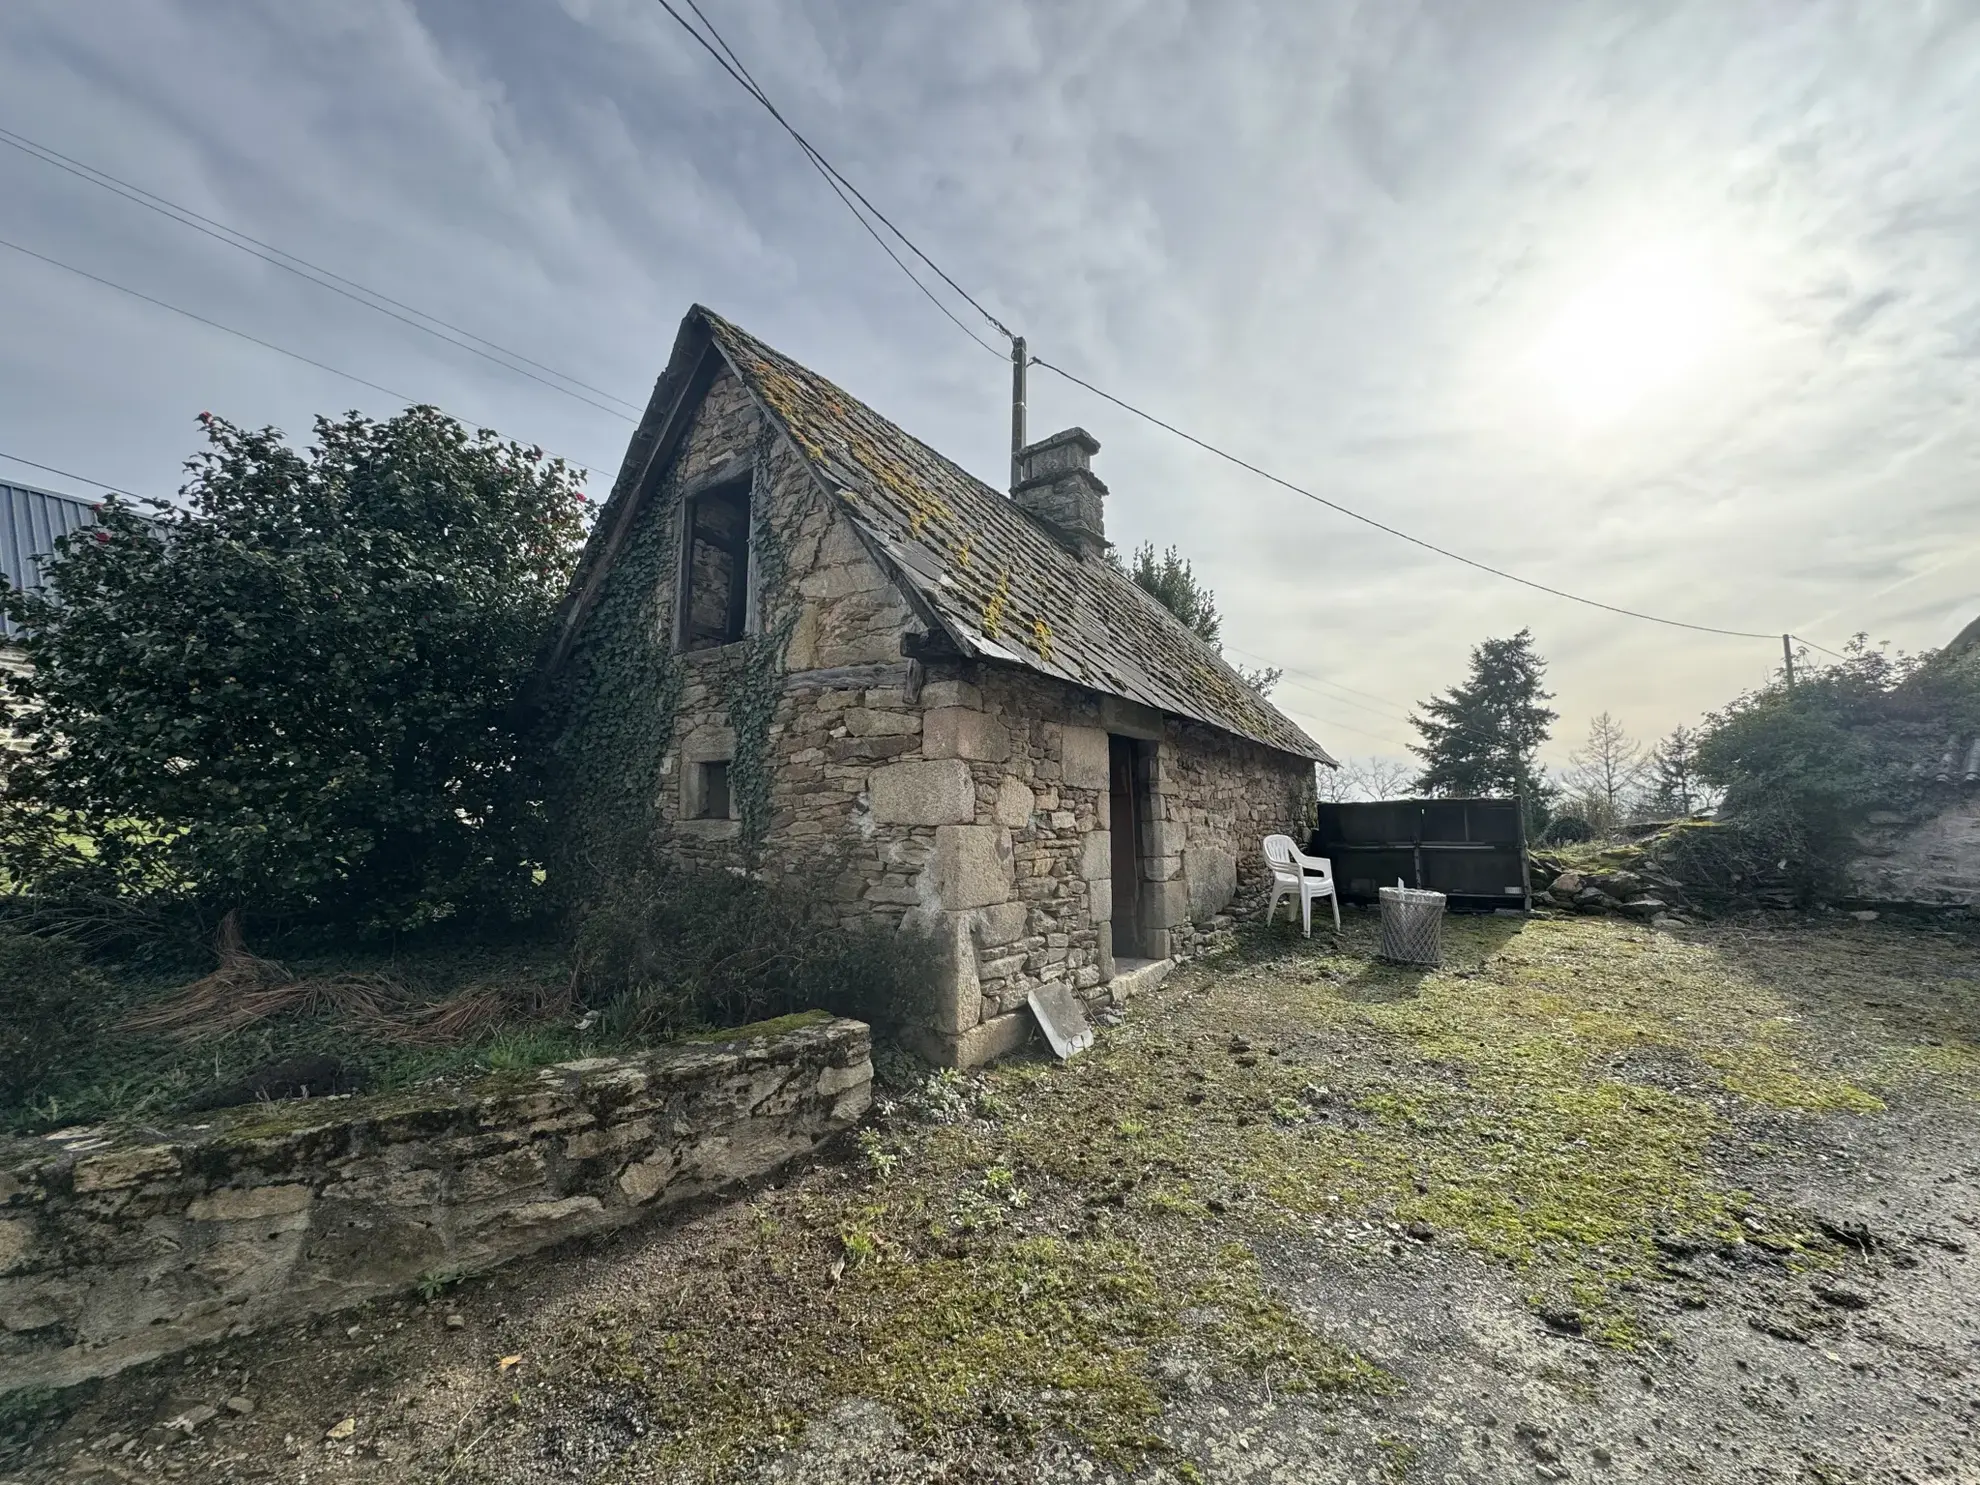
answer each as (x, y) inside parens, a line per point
(116, 1248)
(966, 800)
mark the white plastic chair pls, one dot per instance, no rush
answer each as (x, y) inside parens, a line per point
(1295, 874)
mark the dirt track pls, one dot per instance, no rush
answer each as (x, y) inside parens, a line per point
(1595, 1202)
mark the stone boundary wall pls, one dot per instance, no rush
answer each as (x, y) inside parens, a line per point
(116, 1248)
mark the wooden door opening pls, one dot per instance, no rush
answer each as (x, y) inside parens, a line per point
(1127, 815)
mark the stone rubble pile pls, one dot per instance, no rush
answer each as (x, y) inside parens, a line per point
(1643, 892)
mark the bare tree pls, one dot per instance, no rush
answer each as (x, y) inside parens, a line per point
(1385, 778)
(1605, 773)
(1367, 778)
(1336, 785)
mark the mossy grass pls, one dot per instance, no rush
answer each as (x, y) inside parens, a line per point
(1556, 1098)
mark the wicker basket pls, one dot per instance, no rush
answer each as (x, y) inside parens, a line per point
(1412, 926)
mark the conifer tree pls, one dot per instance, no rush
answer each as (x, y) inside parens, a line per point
(1675, 788)
(1483, 737)
(1171, 582)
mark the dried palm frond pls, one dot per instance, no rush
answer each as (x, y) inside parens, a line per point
(247, 988)
(454, 1019)
(244, 989)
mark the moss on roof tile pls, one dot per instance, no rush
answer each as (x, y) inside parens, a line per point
(1002, 575)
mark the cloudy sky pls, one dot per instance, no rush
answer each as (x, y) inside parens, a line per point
(1676, 306)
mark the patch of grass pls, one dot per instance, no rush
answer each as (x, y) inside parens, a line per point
(1552, 1101)
(1949, 1066)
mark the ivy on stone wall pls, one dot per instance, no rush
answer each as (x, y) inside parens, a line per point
(756, 682)
(615, 711)
(617, 703)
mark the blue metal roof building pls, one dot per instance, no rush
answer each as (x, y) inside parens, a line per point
(30, 520)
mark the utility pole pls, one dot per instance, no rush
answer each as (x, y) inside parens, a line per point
(1787, 657)
(1017, 404)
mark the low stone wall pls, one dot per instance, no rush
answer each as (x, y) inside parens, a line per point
(116, 1248)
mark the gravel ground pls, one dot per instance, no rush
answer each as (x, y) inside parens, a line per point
(1597, 1202)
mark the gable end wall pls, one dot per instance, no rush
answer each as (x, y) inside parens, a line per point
(967, 800)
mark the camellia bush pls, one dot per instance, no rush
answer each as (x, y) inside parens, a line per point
(297, 693)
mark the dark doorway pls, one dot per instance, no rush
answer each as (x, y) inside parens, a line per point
(1127, 813)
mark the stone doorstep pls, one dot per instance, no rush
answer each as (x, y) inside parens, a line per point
(1134, 976)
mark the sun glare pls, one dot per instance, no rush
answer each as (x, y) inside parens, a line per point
(1636, 331)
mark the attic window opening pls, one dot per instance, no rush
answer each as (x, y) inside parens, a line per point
(715, 577)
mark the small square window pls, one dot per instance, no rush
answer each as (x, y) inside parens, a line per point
(712, 790)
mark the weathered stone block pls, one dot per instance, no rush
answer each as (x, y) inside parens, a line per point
(608, 1141)
(867, 722)
(645, 1179)
(16, 1240)
(951, 693)
(923, 792)
(1015, 802)
(972, 866)
(958, 732)
(249, 1204)
(1096, 855)
(552, 1213)
(985, 1042)
(1083, 757)
(956, 995)
(213, 1253)
(1001, 923)
(836, 1080)
(501, 1175)
(1211, 873)
(1166, 903)
(1100, 900)
(124, 1168)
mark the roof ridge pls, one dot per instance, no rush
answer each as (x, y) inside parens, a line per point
(905, 493)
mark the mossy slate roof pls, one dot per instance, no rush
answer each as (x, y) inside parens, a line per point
(1002, 586)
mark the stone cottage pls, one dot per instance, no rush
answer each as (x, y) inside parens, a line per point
(936, 702)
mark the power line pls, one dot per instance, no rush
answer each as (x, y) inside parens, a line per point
(310, 272)
(1292, 678)
(81, 479)
(1804, 639)
(1356, 515)
(267, 345)
(1298, 685)
(726, 58)
(1336, 685)
(1363, 731)
(732, 65)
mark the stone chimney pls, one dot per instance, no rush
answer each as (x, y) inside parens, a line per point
(1057, 486)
